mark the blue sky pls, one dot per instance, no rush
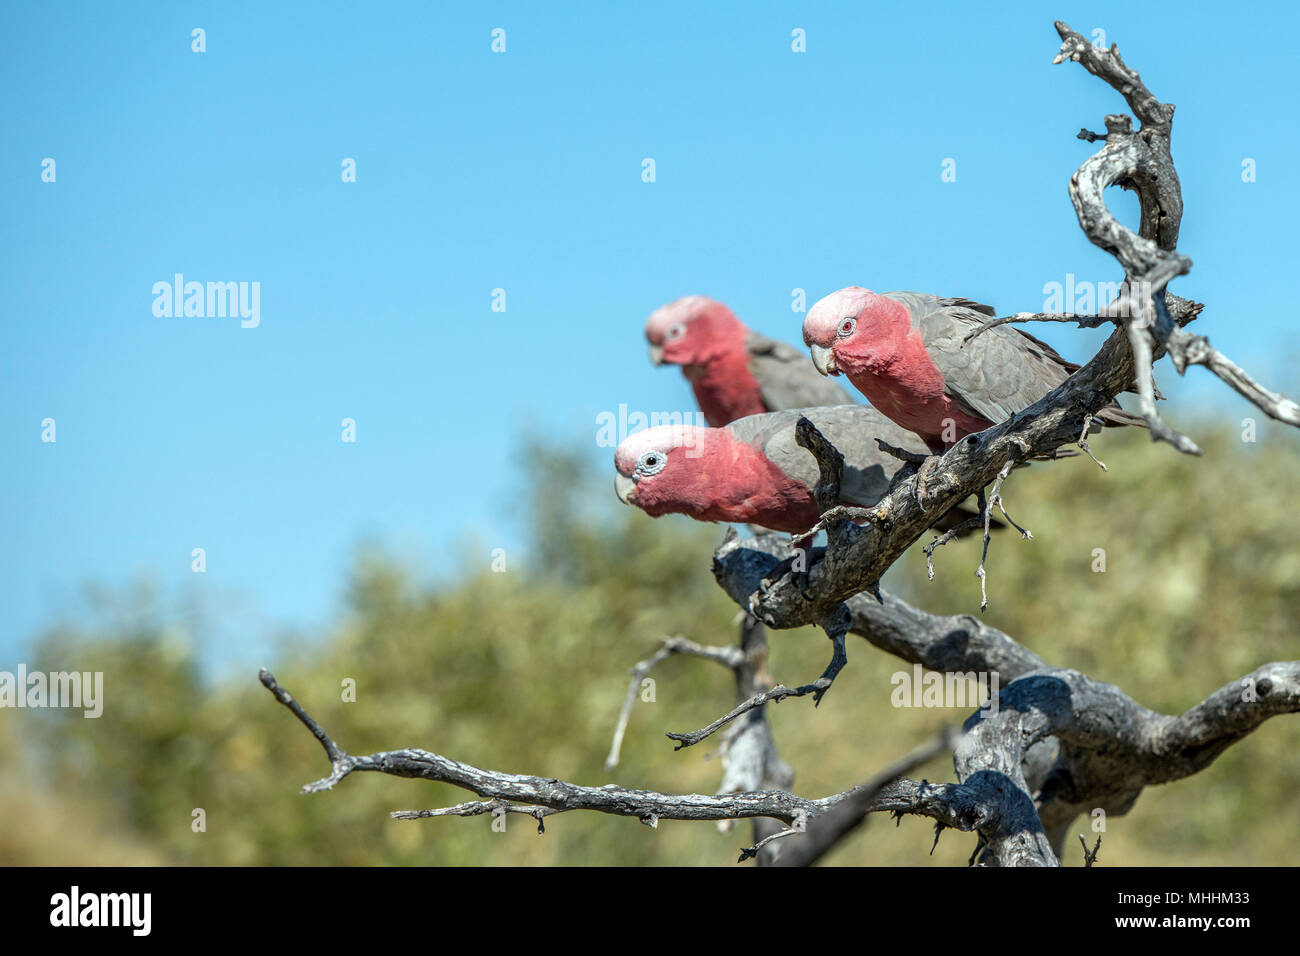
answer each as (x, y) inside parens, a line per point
(522, 171)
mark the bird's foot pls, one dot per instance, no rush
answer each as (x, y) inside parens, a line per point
(923, 473)
(839, 657)
(920, 466)
(797, 566)
(902, 454)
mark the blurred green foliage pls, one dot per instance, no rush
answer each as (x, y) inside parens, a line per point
(525, 670)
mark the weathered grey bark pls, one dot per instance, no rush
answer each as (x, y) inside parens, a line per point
(540, 797)
(749, 757)
(1060, 744)
(1103, 748)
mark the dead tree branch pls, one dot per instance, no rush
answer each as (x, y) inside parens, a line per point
(750, 759)
(1103, 749)
(828, 830)
(729, 657)
(1059, 744)
(540, 797)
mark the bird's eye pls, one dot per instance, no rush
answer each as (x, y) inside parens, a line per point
(675, 332)
(651, 463)
(847, 326)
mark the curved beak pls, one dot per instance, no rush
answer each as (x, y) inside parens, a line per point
(625, 488)
(657, 354)
(824, 359)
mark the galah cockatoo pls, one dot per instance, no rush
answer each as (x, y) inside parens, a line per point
(905, 351)
(753, 470)
(734, 371)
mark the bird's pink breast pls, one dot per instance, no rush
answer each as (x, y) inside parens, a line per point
(759, 492)
(900, 379)
(726, 389)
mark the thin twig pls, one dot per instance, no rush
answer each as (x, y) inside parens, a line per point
(1083, 442)
(729, 657)
(1090, 856)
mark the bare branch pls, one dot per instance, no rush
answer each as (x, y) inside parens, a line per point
(1182, 310)
(1090, 856)
(1140, 342)
(749, 852)
(994, 497)
(1112, 747)
(477, 808)
(830, 463)
(750, 759)
(556, 795)
(838, 823)
(1142, 161)
(1115, 746)
(1083, 443)
(938, 642)
(540, 797)
(1186, 349)
(729, 657)
(775, 695)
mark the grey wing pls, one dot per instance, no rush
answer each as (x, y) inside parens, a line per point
(969, 304)
(923, 302)
(852, 429)
(787, 377)
(993, 376)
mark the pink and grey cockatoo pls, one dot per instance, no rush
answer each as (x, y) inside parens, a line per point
(753, 470)
(905, 351)
(734, 371)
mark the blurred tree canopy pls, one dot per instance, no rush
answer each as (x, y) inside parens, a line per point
(525, 670)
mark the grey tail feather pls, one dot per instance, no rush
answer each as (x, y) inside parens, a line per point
(1114, 416)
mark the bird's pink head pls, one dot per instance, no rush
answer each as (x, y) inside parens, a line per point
(693, 330)
(842, 329)
(660, 468)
